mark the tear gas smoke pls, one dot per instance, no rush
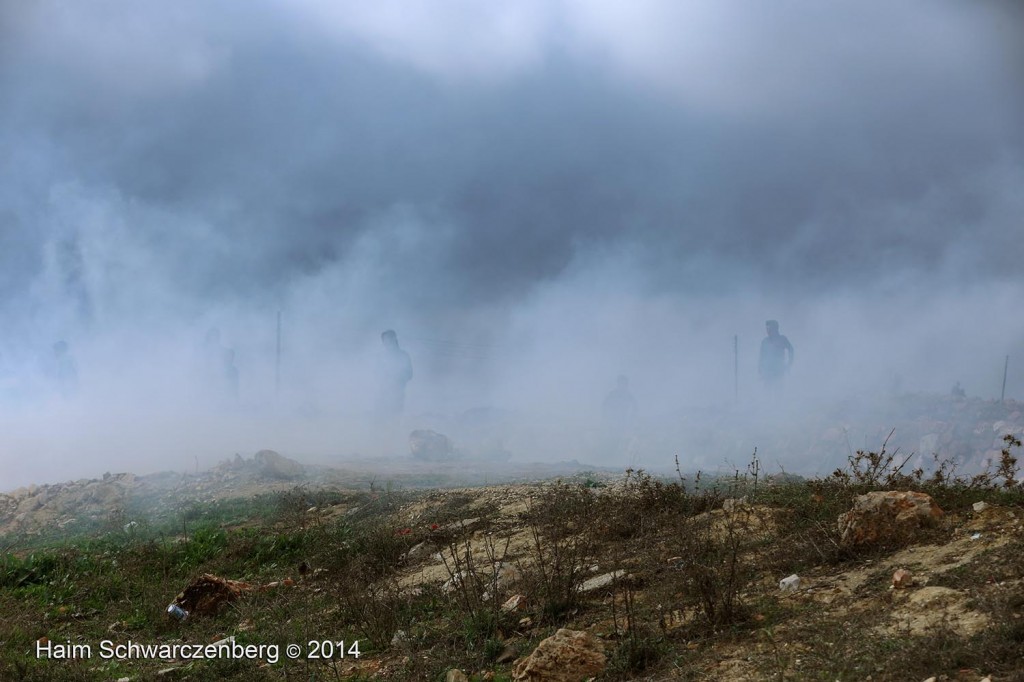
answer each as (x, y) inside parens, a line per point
(537, 198)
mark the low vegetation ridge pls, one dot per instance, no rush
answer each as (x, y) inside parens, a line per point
(871, 573)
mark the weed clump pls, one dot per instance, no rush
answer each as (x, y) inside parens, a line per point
(562, 548)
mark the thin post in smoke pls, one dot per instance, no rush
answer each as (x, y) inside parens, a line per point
(736, 366)
(277, 358)
(1006, 365)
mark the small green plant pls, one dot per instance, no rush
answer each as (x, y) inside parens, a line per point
(882, 469)
(206, 542)
(641, 647)
(638, 652)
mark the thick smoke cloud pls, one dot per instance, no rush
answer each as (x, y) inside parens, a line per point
(537, 197)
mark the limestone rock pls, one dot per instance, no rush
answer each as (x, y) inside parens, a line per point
(735, 504)
(514, 604)
(566, 656)
(420, 549)
(507, 655)
(887, 518)
(430, 446)
(600, 581)
(902, 578)
(925, 610)
(274, 465)
(790, 583)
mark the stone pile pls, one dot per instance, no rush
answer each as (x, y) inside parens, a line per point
(431, 446)
(566, 656)
(116, 499)
(52, 506)
(968, 432)
(887, 518)
(265, 464)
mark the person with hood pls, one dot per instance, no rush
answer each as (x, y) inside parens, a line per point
(65, 370)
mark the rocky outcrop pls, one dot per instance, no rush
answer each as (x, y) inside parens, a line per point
(431, 446)
(37, 508)
(273, 465)
(566, 656)
(887, 518)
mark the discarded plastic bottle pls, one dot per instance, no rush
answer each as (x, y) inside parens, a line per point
(176, 612)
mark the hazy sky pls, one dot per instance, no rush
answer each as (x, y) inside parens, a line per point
(537, 195)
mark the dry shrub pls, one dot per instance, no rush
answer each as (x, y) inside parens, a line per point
(561, 549)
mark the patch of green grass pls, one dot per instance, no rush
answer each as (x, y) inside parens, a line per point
(636, 653)
(682, 552)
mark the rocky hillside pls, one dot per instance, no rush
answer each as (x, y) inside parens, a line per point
(868, 575)
(57, 510)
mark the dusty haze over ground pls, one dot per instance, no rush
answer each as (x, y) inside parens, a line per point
(537, 197)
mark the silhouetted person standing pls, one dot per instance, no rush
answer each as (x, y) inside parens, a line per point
(65, 370)
(958, 392)
(619, 413)
(776, 356)
(619, 407)
(218, 371)
(395, 372)
(230, 376)
(211, 362)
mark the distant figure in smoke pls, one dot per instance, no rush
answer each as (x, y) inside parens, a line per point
(212, 355)
(619, 412)
(220, 374)
(958, 392)
(776, 356)
(65, 370)
(395, 372)
(230, 375)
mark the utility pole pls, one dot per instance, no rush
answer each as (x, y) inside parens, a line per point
(277, 359)
(736, 366)
(1006, 365)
